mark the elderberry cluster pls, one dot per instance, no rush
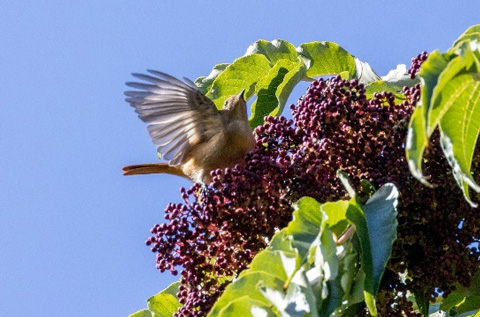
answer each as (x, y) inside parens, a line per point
(417, 63)
(216, 231)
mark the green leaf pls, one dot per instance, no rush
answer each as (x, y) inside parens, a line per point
(356, 215)
(287, 70)
(326, 58)
(381, 213)
(444, 92)
(393, 82)
(464, 299)
(367, 188)
(327, 261)
(451, 100)
(337, 220)
(305, 226)
(417, 138)
(291, 79)
(297, 301)
(460, 127)
(416, 143)
(273, 90)
(430, 73)
(271, 70)
(165, 303)
(271, 262)
(376, 226)
(346, 183)
(274, 51)
(422, 302)
(246, 285)
(302, 271)
(245, 306)
(471, 303)
(142, 313)
(473, 33)
(205, 83)
(244, 73)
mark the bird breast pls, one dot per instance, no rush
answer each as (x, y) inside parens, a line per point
(222, 150)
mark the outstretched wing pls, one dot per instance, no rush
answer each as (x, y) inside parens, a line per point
(178, 115)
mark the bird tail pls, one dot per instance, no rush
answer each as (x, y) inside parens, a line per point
(161, 168)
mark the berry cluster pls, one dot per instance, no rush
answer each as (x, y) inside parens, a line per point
(217, 230)
(417, 63)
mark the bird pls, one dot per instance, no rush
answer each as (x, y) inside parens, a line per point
(190, 133)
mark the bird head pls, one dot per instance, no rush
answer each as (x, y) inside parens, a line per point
(237, 106)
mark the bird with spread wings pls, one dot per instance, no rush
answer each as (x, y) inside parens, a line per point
(187, 128)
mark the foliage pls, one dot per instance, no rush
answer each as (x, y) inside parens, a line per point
(450, 101)
(241, 254)
(163, 304)
(270, 70)
(303, 271)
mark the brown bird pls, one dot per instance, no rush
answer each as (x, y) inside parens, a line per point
(188, 129)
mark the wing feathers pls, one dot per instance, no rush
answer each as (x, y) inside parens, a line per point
(177, 114)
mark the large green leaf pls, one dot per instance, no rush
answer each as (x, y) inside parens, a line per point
(273, 90)
(305, 226)
(460, 127)
(444, 93)
(336, 216)
(451, 101)
(164, 304)
(464, 299)
(301, 272)
(326, 58)
(297, 300)
(381, 213)
(327, 262)
(417, 138)
(376, 226)
(205, 83)
(274, 51)
(473, 33)
(246, 285)
(291, 79)
(270, 70)
(245, 306)
(244, 73)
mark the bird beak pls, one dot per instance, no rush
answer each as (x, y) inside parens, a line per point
(242, 94)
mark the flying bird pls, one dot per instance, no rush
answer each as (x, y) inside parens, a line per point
(190, 133)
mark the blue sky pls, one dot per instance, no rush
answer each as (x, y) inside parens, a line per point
(72, 229)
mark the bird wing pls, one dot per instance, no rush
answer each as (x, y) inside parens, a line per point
(177, 114)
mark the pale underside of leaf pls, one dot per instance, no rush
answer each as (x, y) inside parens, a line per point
(275, 50)
(364, 72)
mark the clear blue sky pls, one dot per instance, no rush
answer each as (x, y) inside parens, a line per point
(72, 229)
